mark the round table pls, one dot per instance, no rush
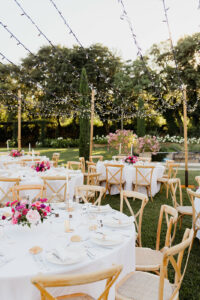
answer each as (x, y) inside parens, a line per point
(15, 275)
(129, 175)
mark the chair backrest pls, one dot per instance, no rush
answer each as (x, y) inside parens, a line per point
(145, 159)
(93, 178)
(5, 192)
(174, 256)
(195, 214)
(144, 174)
(19, 188)
(175, 186)
(114, 173)
(35, 153)
(9, 164)
(59, 192)
(74, 165)
(172, 170)
(92, 169)
(171, 218)
(55, 159)
(197, 178)
(44, 281)
(119, 157)
(138, 215)
(90, 164)
(89, 191)
(96, 158)
(82, 161)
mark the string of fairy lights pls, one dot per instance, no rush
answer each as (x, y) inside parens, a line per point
(133, 111)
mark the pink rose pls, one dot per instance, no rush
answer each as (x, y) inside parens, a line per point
(14, 220)
(17, 215)
(33, 216)
(25, 211)
(48, 208)
(37, 204)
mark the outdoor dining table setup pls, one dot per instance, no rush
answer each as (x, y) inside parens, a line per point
(86, 239)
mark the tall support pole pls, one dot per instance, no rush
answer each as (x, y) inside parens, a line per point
(92, 122)
(185, 135)
(19, 120)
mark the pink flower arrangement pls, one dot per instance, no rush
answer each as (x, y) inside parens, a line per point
(41, 166)
(148, 144)
(131, 159)
(15, 153)
(124, 137)
(28, 213)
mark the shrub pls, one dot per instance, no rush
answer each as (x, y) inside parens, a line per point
(148, 144)
(58, 143)
(124, 137)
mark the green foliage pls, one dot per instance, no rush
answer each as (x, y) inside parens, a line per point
(58, 143)
(84, 137)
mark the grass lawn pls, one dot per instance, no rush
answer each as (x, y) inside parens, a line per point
(190, 289)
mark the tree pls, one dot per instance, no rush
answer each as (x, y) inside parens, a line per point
(84, 137)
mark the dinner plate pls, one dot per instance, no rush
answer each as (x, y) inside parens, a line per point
(99, 209)
(76, 255)
(106, 239)
(116, 222)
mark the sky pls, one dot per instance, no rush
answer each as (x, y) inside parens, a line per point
(95, 21)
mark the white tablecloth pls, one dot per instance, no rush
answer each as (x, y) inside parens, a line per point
(197, 208)
(129, 175)
(15, 275)
(7, 158)
(30, 176)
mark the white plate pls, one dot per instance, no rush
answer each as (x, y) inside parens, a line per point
(99, 209)
(117, 224)
(75, 256)
(107, 240)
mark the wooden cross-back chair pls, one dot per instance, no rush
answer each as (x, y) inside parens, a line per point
(175, 186)
(42, 282)
(37, 153)
(149, 259)
(197, 178)
(147, 286)
(6, 193)
(195, 215)
(31, 187)
(114, 176)
(55, 159)
(138, 215)
(96, 158)
(172, 173)
(74, 165)
(119, 157)
(144, 178)
(87, 192)
(59, 193)
(82, 161)
(9, 164)
(93, 178)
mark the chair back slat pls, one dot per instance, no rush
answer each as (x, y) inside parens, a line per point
(195, 214)
(74, 165)
(87, 192)
(20, 188)
(6, 193)
(60, 192)
(175, 186)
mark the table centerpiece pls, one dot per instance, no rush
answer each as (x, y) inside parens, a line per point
(15, 153)
(26, 214)
(41, 166)
(131, 159)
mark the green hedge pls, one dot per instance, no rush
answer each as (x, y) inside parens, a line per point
(58, 143)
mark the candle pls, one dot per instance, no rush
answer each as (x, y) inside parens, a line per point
(67, 226)
(120, 148)
(7, 144)
(29, 147)
(131, 149)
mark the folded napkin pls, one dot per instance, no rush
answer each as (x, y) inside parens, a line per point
(121, 220)
(65, 253)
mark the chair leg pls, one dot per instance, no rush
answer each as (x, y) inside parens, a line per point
(167, 191)
(181, 220)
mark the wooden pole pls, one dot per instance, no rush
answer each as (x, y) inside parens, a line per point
(185, 135)
(92, 122)
(19, 119)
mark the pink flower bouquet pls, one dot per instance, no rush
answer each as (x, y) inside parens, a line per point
(15, 153)
(148, 144)
(125, 138)
(131, 159)
(26, 213)
(41, 166)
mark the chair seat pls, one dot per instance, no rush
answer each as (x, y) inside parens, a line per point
(79, 296)
(147, 259)
(163, 179)
(102, 179)
(185, 210)
(141, 183)
(142, 286)
(117, 183)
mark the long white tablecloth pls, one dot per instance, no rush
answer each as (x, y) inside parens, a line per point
(15, 275)
(30, 176)
(129, 175)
